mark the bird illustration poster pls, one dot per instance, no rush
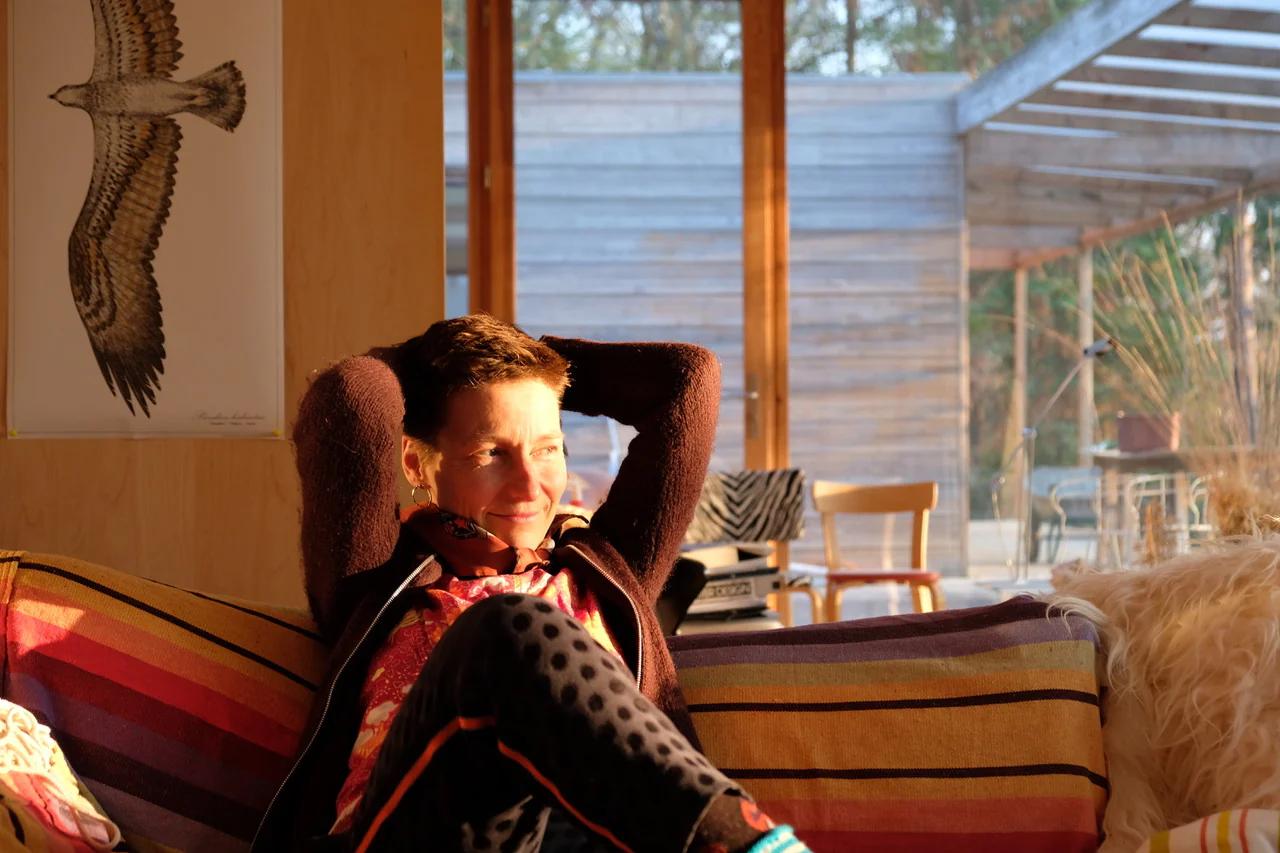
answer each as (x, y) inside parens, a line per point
(146, 287)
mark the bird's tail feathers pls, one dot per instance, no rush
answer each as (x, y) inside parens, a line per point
(224, 98)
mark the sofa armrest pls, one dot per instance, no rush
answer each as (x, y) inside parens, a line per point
(960, 730)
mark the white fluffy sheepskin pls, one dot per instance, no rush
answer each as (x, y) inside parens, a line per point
(1192, 713)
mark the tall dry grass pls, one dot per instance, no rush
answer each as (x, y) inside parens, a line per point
(1175, 350)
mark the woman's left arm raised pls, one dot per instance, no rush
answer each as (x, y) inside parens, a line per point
(670, 393)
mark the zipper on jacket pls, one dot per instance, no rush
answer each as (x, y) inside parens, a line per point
(635, 611)
(328, 699)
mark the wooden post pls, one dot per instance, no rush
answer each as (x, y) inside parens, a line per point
(764, 232)
(491, 236)
(1245, 342)
(1019, 407)
(765, 235)
(1010, 496)
(1084, 387)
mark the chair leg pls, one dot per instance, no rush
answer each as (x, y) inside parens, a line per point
(935, 592)
(833, 601)
(917, 598)
(815, 601)
(782, 603)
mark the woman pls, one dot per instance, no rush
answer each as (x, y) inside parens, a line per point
(497, 661)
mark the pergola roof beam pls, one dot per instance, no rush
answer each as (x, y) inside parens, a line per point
(993, 247)
(1209, 17)
(1190, 67)
(1123, 117)
(1220, 54)
(1000, 209)
(1211, 35)
(1148, 175)
(1117, 198)
(1029, 236)
(1158, 104)
(1143, 152)
(1156, 115)
(1215, 85)
(1118, 122)
(1023, 176)
(1048, 130)
(1083, 35)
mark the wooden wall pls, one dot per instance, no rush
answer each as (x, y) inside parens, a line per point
(363, 264)
(628, 221)
(879, 314)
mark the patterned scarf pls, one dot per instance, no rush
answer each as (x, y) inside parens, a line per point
(469, 551)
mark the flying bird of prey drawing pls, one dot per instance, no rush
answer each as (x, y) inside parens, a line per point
(131, 96)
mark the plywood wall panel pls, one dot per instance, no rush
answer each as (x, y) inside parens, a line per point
(363, 264)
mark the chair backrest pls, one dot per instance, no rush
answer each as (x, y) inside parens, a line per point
(749, 506)
(831, 499)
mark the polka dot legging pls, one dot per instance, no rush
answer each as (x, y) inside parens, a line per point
(517, 719)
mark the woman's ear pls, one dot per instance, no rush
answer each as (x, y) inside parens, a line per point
(414, 456)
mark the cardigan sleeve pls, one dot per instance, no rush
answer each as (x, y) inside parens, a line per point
(347, 441)
(670, 393)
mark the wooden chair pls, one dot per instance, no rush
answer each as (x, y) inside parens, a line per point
(832, 499)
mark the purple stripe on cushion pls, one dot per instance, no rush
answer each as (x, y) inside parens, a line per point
(836, 650)
(882, 627)
(139, 818)
(97, 764)
(64, 680)
(93, 723)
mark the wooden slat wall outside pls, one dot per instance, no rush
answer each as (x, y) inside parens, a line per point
(877, 302)
(628, 224)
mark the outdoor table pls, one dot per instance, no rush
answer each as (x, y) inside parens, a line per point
(1118, 518)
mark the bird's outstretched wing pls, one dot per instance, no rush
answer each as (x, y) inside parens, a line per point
(112, 247)
(134, 37)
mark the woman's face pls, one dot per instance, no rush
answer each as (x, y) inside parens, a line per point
(499, 460)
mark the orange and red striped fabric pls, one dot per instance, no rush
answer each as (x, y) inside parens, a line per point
(181, 712)
(960, 731)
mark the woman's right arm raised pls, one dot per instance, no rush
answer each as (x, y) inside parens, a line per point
(347, 439)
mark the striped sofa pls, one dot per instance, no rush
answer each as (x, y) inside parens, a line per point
(967, 730)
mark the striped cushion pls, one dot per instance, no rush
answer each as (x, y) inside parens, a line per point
(180, 711)
(965, 730)
(1239, 831)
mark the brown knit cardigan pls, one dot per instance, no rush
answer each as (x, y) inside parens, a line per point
(357, 558)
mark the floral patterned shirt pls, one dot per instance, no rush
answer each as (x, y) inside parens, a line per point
(395, 666)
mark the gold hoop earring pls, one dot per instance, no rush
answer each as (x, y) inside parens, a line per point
(413, 495)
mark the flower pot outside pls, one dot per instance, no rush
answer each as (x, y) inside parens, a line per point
(1141, 433)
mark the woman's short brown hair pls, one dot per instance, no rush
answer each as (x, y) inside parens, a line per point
(466, 352)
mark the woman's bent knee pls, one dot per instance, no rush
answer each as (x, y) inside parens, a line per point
(496, 630)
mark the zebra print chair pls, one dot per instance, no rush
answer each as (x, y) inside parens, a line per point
(758, 506)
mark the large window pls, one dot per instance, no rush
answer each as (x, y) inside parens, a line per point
(628, 189)
(877, 380)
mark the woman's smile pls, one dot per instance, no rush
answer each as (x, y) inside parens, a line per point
(500, 459)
